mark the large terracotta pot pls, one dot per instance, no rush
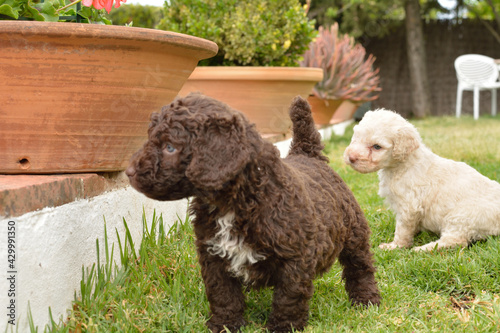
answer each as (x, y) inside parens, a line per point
(264, 94)
(77, 97)
(331, 111)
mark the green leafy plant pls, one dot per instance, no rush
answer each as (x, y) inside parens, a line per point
(254, 32)
(347, 74)
(57, 10)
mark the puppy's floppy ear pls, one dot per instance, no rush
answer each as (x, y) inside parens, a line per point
(406, 141)
(220, 151)
(154, 119)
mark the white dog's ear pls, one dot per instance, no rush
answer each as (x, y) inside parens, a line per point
(406, 142)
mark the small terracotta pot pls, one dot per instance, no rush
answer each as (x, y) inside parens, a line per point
(264, 94)
(331, 111)
(345, 112)
(77, 97)
(323, 110)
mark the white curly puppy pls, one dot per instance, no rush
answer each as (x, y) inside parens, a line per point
(426, 191)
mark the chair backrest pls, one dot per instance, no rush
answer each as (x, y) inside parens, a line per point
(476, 69)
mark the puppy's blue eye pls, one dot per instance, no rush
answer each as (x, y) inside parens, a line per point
(169, 148)
(376, 147)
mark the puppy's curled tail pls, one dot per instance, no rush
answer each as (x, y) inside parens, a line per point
(306, 139)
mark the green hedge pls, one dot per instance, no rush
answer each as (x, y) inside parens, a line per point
(253, 32)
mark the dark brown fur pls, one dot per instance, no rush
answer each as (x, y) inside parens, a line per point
(296, 212)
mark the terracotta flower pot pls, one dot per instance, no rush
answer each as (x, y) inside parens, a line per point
(77, 97)
(264, 94)
(323, 110)
(331, 111)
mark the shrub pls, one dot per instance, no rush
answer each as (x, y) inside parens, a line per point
(253, 32)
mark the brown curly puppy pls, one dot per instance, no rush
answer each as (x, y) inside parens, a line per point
(259, 220)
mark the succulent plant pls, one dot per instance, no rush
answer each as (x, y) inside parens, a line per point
(347, 74)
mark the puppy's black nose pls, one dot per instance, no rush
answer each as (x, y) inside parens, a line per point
(130, 171)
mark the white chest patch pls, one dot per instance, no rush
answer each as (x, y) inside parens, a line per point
(227, 245)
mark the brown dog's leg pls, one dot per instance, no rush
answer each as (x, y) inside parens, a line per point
(224, 293)
(291, 300)
(359, 272)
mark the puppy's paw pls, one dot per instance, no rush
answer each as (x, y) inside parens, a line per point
(284, 328)
(430, 246)
(426, 247)
(388, 246)
(278, 323)
(443, 242)
(226, 327)
(421, 249)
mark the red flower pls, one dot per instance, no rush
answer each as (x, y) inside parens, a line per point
(100, 4)
(118, 4)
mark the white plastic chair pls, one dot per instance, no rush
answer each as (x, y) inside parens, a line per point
(475, 73)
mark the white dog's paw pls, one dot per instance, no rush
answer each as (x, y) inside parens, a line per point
(388, 246)
(441, 243)
(426, 247)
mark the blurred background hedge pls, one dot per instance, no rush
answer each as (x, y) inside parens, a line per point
(140, 16)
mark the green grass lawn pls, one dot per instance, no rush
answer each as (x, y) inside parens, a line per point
(159, 288)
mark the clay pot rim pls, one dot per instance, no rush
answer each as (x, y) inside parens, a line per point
(28, 29)
(335, 102)
(257, 73)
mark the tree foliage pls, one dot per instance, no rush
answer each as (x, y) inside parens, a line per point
(487, 11)
(371, 18)
(358, 17)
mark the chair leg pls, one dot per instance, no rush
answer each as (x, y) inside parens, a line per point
(476, 103)
(493, 102)
(459, 101)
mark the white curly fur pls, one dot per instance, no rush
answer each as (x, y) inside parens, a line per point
(225, 244)
(426, 191)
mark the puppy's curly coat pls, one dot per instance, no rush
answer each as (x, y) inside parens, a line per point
(426, 191)
(259, 220)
